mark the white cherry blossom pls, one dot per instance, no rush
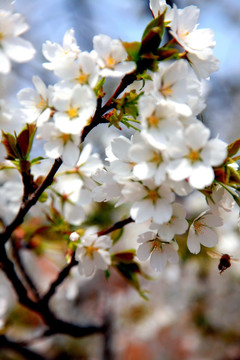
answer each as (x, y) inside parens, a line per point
(148, 162)
(92, 254)
(195, 156)
(56, 54)
(74, 108)
(159, 120)
(59, 144)
(159, 251)
(36, 102)
(83, 70)
(176, 225)
(12, 46)
(149, 201)
(175, 83)
(198, 43)
(112, 56)
(202, 232)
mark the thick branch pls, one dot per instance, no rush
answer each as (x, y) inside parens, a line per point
(41, 307)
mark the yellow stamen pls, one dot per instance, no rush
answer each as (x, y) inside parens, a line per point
(166, 91)
(1, 36)
(153, 195)
(82, 78)
(90, 250)
(72, 112)
(198, 226)
(110, 62)
(153, 120)
(193, 155)
(157, 157)
(65, 137)
(156, 244)
(42, 104)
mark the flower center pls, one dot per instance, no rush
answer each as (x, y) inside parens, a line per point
(110, 62)
(153, 195)
(157, 157)
(72, 112)
(90, 250)
(65, 137)
(156, 245)
(82, 78)
(1, 36)
(193, 156)
(166, 91)
(42, 104)
(153, 120)
(198, 226)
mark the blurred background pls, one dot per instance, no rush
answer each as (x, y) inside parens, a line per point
(193, 313)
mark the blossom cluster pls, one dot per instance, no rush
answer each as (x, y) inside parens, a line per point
(169, 155)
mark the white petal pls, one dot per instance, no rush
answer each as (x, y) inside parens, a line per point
(193, 243)
(19, 50)
(158, 260)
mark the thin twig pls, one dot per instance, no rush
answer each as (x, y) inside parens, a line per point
(26, 206)
(116, 226)
(25, 275)
(6, 343)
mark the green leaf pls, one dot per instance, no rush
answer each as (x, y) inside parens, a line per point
(9, 142)
(124, 256)
(130, 271)
(234, 147)
(25, 140)
(157, 22)
(132, 49)
(37, 160)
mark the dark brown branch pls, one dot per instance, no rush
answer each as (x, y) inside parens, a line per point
(6, 343)
(26, 206)
(26, 277)
(65, 271)
(116, 226)
(110, 104)
(55, 325)
(61, 277)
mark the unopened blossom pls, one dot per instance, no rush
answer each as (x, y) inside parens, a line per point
(149, 201)
(202, 232)
(151, 246)
(59, 144)
(74, 108)
(92, 254)
(12, 46)
(35, 102)
(112, 56)
(56, 54)
(175, 226)
(195, 155)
